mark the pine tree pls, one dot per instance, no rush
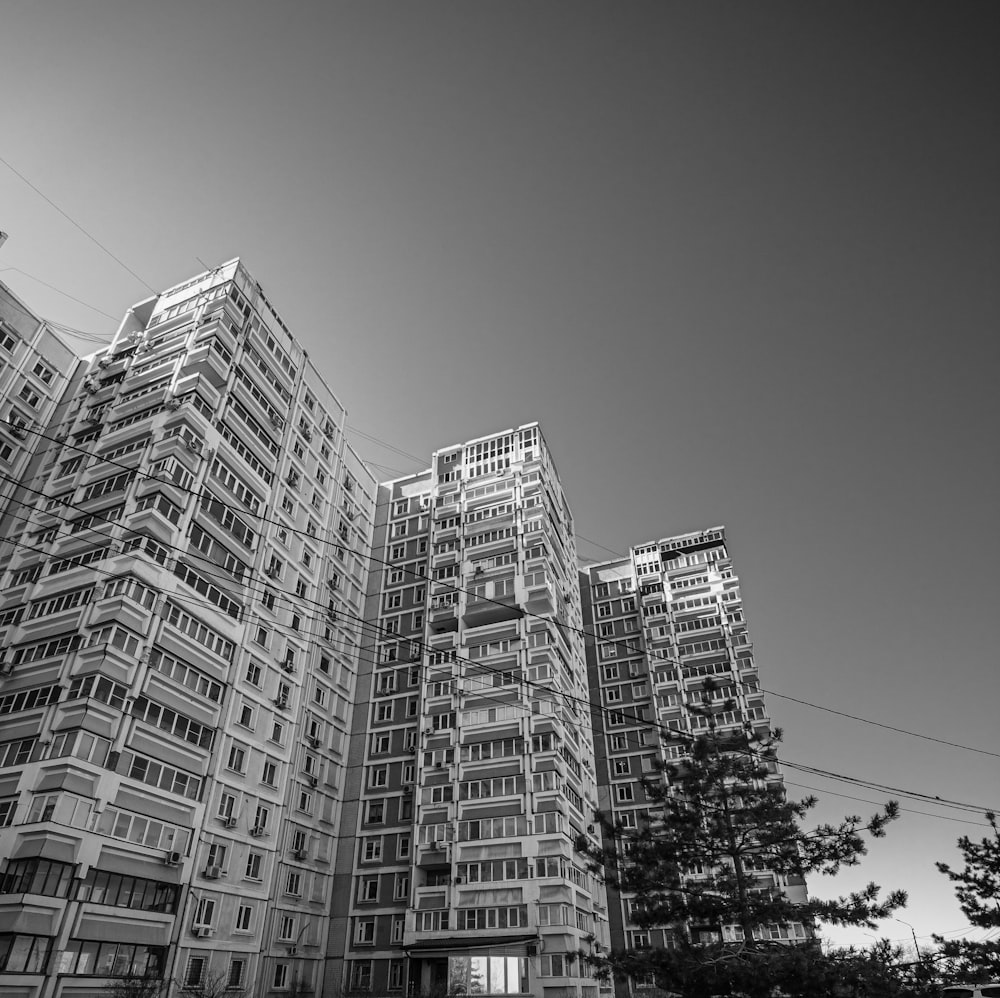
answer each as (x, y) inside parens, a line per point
(978, 894)
(720, 824)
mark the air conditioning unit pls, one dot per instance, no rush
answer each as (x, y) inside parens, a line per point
(300, 854)
(204, 931)
(314, 741)
(257, 831)
(412, 749)
(271, 572)
(172, 858)
(212, 872)
(277, 421)
(287, 666)
(436, 846)
(307, 433)
(281, 702)
(17, 430)
(172, 404)
(105, 362)
(229, 821)
(193, 445)
(312, 780)
(439, 765)
(6, 668)
(350, 514)
(407, 791)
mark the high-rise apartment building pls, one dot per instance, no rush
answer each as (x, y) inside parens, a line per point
(472, 768)
(665, 618)
(270, 728)
(179, 621)
(36, 366)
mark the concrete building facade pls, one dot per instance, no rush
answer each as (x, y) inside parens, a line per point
(270, 728)
(179, 638)
(36, 368)
(473, 767)
(664, 619)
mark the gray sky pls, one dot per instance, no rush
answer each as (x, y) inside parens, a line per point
(740, 261)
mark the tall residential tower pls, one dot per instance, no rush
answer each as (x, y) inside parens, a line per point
(472, 772)
(665, 618)
(180, 625)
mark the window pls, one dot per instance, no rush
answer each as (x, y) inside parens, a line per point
(395, 975)
(28, 395)
(244, 918)
(376, 812)
(378, 776)
(403, 847)
(396, 936)
(369, 889)
(280, 978)
(246, 717)
(364, 932)
(195, 971)
(361, 974)
(253, 674)
(237, 973)
(625, 792)
(293, 884)
(269, 775)
(255, 863)
(622, 767)
(371, 850)
(286, 927)
(401, 887)
(261, 818)
(305, 802)
(237, 759)
(216, 855)
(204, 912)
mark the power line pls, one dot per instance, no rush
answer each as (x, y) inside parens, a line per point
(879, 724)
(387, 446)
(668, 732)
(73, 222)
(617, 554)
(59, 291)
(864, 800)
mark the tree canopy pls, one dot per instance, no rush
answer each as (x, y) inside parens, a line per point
(721, 863)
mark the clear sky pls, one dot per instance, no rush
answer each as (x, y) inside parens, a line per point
(739, 260)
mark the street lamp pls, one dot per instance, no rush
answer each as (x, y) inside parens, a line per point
(913, 932)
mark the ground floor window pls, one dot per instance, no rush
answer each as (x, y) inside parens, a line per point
(487, 975)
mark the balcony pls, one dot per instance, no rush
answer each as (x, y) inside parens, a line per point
(443, 618)
(478, 613)
(434, 855)
(208, 363)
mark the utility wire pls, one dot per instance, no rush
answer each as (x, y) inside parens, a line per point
(59, 291)
(864, 800)
(395, 450)
(73, 222)
(879, 724)
(673, 735)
